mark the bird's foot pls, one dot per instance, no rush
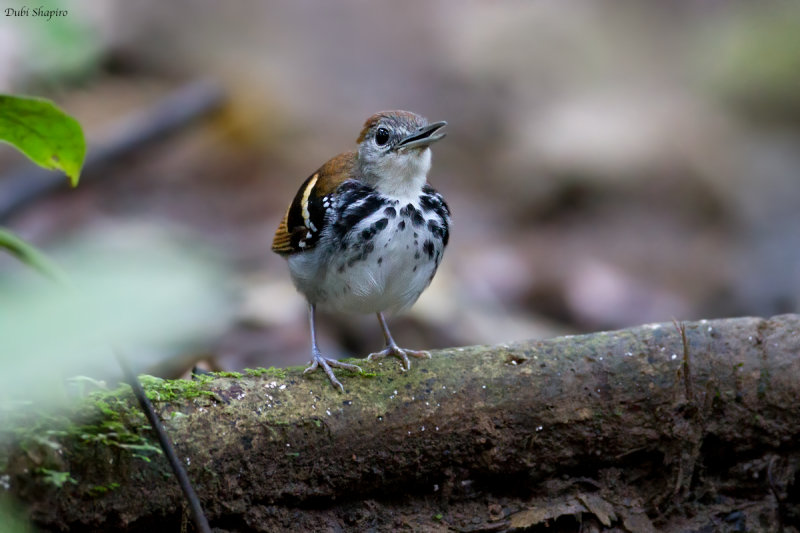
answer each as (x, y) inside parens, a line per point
(400, 353)
(319, 360)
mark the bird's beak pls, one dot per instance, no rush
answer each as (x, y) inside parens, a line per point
(423, 136)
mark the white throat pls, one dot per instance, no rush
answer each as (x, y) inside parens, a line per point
(402, 175)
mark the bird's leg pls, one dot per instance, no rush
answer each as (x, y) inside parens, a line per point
(317, 359)
(393, 349)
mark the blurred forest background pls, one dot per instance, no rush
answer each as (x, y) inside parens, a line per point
(607, 163)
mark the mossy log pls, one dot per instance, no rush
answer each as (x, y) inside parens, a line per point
(638, 429)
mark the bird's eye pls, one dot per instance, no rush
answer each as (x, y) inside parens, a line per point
(381, 136)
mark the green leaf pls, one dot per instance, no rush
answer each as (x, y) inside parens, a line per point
(48, 136)
(32, 257)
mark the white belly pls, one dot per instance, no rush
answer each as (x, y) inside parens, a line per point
(386, 272)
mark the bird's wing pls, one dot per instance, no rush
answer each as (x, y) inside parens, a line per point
(306, 217)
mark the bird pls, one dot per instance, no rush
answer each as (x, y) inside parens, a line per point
(365, 232)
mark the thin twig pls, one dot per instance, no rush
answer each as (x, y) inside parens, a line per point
(687, 374)
(198, 516)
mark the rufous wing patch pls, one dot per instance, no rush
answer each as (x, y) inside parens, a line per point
(282, 242)
(303, 222)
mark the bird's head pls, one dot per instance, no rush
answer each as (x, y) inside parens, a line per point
(394, 152)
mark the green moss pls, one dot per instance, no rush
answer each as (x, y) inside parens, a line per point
(103, 418)
(362, 363)
(99, 490)
(224, 374)
(55, 478)
(279, 373)
(116, 421)
(169, 390)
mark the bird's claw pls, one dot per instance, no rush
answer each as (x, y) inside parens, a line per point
(319, 360)
(400, 353)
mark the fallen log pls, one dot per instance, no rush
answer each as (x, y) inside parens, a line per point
(661, 427)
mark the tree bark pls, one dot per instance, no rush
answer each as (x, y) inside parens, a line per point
(639, 429)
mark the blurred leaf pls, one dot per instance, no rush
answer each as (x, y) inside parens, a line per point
(48, 136)
(29, 255)
(12, 517)
(140, 292)
(752, 60)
